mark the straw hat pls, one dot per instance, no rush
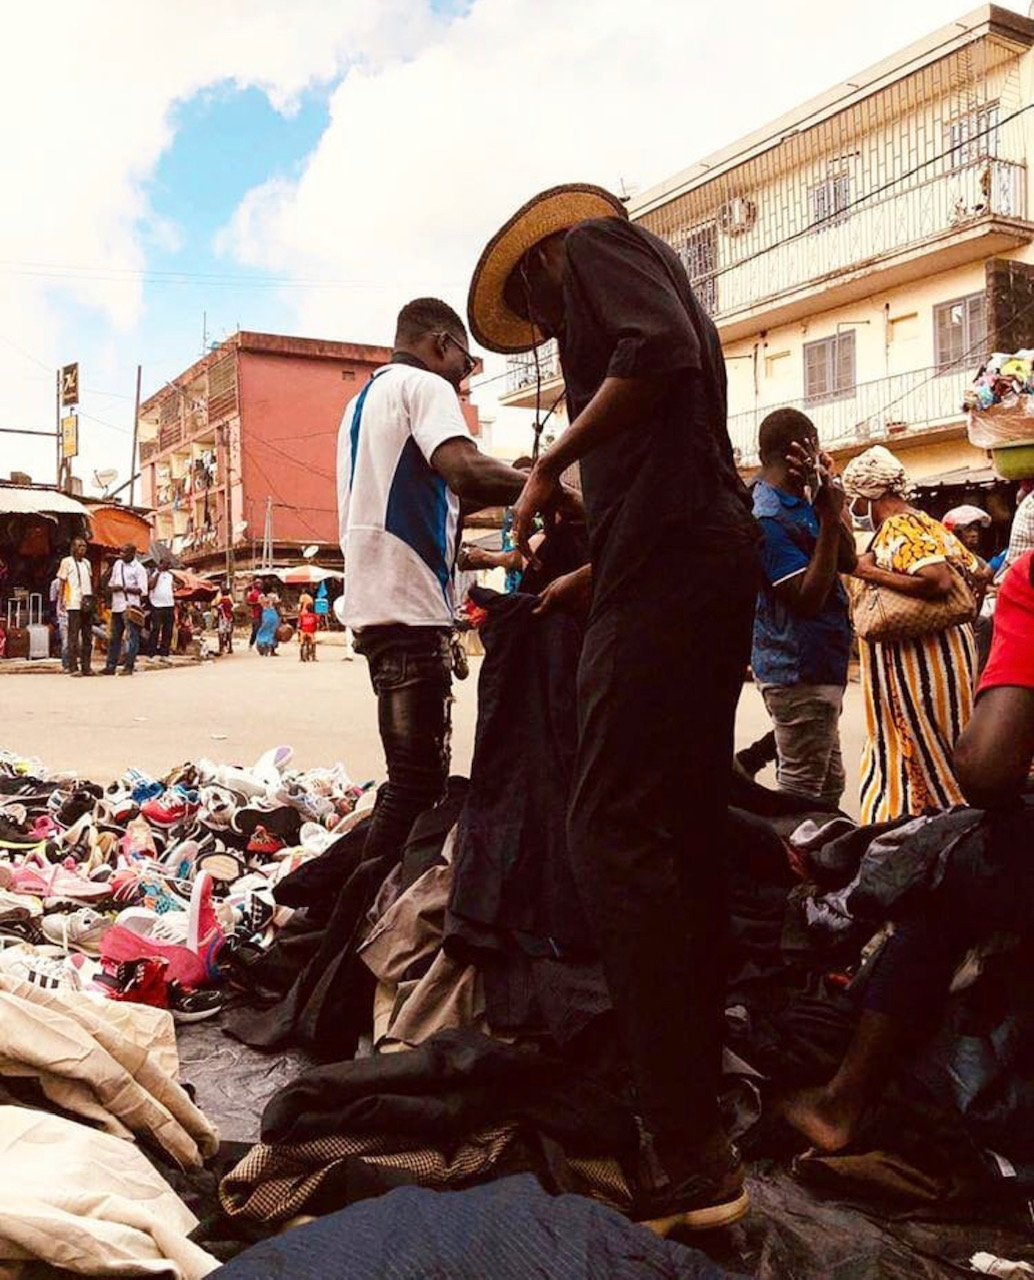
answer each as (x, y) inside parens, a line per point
(493, 323)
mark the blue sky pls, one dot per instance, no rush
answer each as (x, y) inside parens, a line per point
(227, 140)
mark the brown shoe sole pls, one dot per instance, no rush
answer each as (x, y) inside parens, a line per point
(707, 1218)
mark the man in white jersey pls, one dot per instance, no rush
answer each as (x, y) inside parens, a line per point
(406, 464)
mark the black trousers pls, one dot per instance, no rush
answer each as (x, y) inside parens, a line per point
(256, 623)
(661, 672)
(80, 638)
(411, 673)
(161, 630)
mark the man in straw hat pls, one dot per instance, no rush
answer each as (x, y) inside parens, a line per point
(405, 463)
(673, 577)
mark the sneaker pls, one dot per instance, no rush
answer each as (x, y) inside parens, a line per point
(705, 1198)
(193, 963)
(81, 930)
(172, 807)
(265, 842)
(142, 981)
(193, 1006)
(43, 968)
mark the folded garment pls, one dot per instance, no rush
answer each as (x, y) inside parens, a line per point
(96, 1061)
(89, 1203)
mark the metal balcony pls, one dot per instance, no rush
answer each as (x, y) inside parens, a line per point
(964, 214)
(874, 412)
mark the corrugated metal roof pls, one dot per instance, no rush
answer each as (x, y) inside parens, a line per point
(18, 500)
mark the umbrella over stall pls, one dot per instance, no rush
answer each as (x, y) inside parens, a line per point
(305, 575)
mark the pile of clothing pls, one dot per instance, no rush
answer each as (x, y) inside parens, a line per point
(1001, 381)
(149, 890)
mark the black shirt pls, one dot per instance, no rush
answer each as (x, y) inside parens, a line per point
(630, 313)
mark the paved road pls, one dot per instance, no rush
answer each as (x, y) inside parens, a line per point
(234, 708)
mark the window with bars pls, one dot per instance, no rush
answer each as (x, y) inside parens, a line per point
(973, 137)
(960, 332)
(700, 258)
(830, 201)
(829, 368)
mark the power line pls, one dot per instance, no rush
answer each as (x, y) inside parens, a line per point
(151, 275)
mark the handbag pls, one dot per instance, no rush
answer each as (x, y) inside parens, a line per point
(135, 615)
(885, 615)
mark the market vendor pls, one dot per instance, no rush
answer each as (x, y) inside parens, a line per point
(672, 580)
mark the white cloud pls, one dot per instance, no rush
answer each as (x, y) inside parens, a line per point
(439, 128)
(422, 160)
(86, 96)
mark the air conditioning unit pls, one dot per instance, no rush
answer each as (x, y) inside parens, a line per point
(737, 215)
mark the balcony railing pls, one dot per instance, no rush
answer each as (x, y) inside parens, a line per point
(521, 368)
(873, 411)
(744, 273)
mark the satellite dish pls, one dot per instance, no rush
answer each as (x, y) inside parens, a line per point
(104, 479)
(309, 552)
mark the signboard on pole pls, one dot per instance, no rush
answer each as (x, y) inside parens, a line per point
(70, 384)
(70, 437)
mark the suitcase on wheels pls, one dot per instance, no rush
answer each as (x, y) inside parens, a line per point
(17, 635)
(39, 632)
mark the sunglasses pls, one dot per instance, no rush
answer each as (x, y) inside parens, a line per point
(469, 362)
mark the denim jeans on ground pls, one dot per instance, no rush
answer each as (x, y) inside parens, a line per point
(122, 628)
(411, 673)
(807, 729)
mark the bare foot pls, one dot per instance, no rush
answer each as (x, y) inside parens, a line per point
(826, 1123)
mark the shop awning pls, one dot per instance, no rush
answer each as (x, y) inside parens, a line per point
(189, 586)
(982, 478)
(20, 500)
(115, 526)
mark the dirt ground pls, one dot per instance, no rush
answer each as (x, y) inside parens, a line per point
(232, 709)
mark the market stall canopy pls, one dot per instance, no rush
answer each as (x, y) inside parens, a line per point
(305, 575)
(189, 586)
(18, 499)
(115, 526)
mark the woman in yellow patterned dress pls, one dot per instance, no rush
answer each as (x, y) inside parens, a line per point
(918, 693)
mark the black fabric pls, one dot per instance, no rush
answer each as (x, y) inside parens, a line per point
(511, 870)
(564, 548)
(452, 1084)
(330, 1003)
(629, 312)
(660, 676)
(508, 1230)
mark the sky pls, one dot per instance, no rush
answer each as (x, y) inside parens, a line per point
(174, 172)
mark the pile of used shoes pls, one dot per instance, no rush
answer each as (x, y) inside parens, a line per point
(146, 890)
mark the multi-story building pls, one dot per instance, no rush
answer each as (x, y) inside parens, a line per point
(250, 429)
(863, 254)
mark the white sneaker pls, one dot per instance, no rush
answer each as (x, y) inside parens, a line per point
(39, 966)
(80, 930)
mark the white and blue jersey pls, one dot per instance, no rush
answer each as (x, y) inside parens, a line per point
(399, 520)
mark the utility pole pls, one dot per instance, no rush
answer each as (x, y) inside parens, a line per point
(136, 427)
(57, 426)
(267, 536)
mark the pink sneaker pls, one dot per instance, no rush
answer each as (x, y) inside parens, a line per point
(192, 964)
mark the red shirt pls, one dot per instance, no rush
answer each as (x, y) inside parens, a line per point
(1012, 649)
(308, 622)
(253, 598)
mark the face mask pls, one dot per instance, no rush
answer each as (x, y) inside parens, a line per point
(864, 524)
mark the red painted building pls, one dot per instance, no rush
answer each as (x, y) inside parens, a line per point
(253, 422)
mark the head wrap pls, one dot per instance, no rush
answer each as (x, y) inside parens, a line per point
(960, 517)
(875, 473)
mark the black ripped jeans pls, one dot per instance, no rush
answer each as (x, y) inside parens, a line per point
(411, 673)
